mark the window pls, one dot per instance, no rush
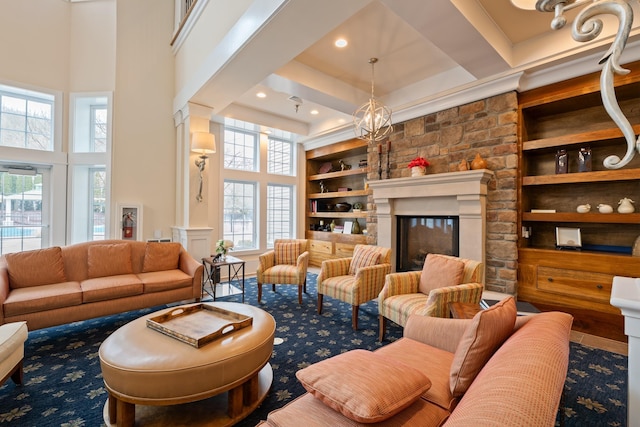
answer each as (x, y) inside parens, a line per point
(279, 213)
(90, 124)
(89, 167)
(26, 119)
(97, 195)
(21, 209)
(240, 146)
(280, 156)
(240, 214)
(259, 205)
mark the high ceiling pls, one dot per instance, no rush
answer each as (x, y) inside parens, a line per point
(427, 50)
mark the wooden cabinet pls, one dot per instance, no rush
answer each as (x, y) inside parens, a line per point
(329, 183)
(569, 116)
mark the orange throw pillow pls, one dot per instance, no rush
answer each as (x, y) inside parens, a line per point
(109, 260)
(439, 272)
(161, 257)
(486, 333)
(33, 268)
(364, 386)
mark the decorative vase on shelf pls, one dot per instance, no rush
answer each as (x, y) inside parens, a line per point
(418, 171)
(355, 229)
(478, 162)
(626, 205)
(463, 165)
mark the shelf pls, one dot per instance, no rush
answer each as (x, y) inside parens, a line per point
(338, 174)
(577, 138)
(581, 177)
(612, 218)
(334, 194)
(347, 215)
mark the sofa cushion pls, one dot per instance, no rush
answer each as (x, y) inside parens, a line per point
(161, 256)
(109, 260)
(364, 386)
(287, 252)
(42, 298)
(486, 333)
(433, 362)
(159, 281)
(307, 411)
(33, 268)
(440, 272)
(110, 287)
(363, 256)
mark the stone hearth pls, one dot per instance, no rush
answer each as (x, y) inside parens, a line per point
(461, 194)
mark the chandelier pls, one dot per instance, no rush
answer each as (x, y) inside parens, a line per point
(586, 28)
(373, 119)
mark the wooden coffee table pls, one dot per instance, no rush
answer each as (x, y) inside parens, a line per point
(155, 379)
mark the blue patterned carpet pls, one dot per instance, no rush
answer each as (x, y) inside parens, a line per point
(63, 384)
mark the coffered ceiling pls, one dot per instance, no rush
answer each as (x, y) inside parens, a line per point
(427, 51)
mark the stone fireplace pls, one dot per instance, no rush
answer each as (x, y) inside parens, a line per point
(461, 194)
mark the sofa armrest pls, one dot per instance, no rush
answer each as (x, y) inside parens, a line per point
(399, 284)
(4, 288)
(334, 268)
(438, 303)
(371, 280)
(265, 261)
(193, 268)
(302, 263)
(442, 333)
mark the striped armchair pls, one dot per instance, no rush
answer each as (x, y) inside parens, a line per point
(429, 292)
(354, 280)
(286, 264)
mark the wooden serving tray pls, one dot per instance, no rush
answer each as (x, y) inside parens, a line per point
(199, 324)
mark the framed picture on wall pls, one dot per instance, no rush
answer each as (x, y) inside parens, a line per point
(128, 221)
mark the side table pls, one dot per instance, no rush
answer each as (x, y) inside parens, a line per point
(463, 310)
(212, 269)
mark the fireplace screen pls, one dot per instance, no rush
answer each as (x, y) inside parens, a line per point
(421, 235)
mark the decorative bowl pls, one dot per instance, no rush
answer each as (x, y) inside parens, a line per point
(342, 207)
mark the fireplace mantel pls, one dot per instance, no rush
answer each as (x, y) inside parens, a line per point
(454, 193)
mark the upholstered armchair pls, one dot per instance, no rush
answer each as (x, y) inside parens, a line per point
(443, 279)
(286, 264)
(354, 280)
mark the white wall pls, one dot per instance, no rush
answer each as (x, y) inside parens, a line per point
(144, 134)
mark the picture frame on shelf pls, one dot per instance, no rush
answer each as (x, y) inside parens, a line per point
(568, 238)
(348, 225)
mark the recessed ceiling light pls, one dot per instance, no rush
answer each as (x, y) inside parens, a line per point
(314, 112)
(341, 43)
(261, 95)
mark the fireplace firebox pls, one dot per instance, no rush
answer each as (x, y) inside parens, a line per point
(421, 235)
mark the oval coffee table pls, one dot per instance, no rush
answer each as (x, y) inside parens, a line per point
(147, 373)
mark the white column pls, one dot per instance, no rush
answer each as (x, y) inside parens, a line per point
(625, 295)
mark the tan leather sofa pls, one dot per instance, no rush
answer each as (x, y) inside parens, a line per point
(519, 385)
(58, 285)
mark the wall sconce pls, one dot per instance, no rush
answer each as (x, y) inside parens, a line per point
(203, 143)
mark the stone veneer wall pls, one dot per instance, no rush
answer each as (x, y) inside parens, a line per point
(445, 138)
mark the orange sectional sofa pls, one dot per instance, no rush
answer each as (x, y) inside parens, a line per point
(58, 285)
(500, 371)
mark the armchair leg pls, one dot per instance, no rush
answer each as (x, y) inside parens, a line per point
(273, 287)
(382, 327)
(259, 292)
(354, 317)
(300, 294)
(304, 285)
(319, 303)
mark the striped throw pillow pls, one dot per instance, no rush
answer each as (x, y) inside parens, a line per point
(363, 257)
(287, 253)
